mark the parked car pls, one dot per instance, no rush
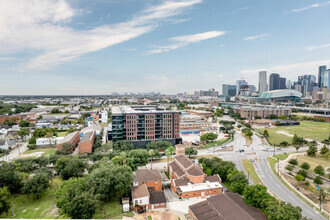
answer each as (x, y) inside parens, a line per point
(279, 148)
(241, 150)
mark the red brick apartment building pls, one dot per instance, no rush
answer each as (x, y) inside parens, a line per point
(188, 179)
(86, 142)
(250, 112)
(72, 138)
(147, 190)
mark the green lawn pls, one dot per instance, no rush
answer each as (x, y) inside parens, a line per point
(306, 129)
(314, 161)
(62, 134)
(27, 207)
(218, 142)
(111, 210)
(249, 168)
(282, 156)
(46, 151)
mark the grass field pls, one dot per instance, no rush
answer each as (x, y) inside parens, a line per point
(314, 161)
(62, 134)
(30, 208)
(46, 151)
(306, 129)
(27, 207)
(218, 142)
(282, 156)
(248, 166)
(248, 140)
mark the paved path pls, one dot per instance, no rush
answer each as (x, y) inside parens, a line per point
(14, 153)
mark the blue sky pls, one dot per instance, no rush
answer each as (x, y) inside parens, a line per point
(97, 47)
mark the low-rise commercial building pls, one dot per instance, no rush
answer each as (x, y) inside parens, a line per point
(250, 112)
(72, 138)
(86, 142)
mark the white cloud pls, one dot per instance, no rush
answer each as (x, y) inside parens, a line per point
(237, 10)
(310, 7)
(317, 47)
(256, 37)
(184, 40)
(42, 26)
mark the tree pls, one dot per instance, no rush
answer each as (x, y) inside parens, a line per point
(299, 177)
(32, 140)
(303, 173)
(266, 133)
(319, 170)
(277, 123)
(280, 210)
(324, 150)
(37, 184)
(209, 137)
(208, 172)
(68, 148)
(151, 154)
(297, 147)
(318, 180)
(55, 111)
(249, 133)
(24, 123)
(49, 135)
(23, 132)
(9, 177)
(284, 143)
(312, 151)
(273, 116)
(256, 195)
(237, 181)
(4, 200)
(305, 166)
(136, 158)
(169, 152)
(293, 162)
(190, 151)
(70, 167)
(110, 181)
(74, 199)
(123, 145)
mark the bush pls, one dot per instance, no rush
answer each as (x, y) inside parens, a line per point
(284, 143)
(319, 170)
(299, 177)
(324, 150)
(303, 173)
(307, 183)
(318, 180)
(312, 151)
(32, 146)
(305, 166)
(289, 167)
(293, 162)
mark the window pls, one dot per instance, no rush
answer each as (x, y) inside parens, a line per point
(140, 202)
(156, 181)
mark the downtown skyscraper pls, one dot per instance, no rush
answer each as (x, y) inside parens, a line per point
(262, 87)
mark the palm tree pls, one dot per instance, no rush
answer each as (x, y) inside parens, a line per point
(151, 154)
(169, 152)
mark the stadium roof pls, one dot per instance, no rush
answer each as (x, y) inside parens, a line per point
(280, 93)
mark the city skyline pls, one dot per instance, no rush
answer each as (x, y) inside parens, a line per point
(77, 47)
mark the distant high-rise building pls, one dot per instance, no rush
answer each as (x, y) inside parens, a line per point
(308, 81)
(282, 83)
(288, 84)
(327, 79)
(262, 81)
(320, 81)
(274, 81)
(228, 90)
(252, 89)
(239, 84)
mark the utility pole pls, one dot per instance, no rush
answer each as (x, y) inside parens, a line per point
(320, 198)
(278, 166)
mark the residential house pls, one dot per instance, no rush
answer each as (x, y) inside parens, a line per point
(152, 178)
(144, 199)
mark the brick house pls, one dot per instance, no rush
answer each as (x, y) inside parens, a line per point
(188, 179)
(72, 138)
(142, 198)
(152, 178)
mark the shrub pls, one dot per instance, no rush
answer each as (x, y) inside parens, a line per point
(289, 167)
(32, 146)
(299, 177)
(324, 150)
(307, 183)
(293, 162)
(312, 151)
(305, 166)
(303, 173)
(319, 170)
(284, 143)
(318, 180)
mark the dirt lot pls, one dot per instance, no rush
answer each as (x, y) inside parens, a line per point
(304, 190)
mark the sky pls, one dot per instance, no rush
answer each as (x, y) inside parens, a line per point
(83, 47)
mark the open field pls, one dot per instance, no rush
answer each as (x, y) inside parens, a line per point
(249, 168)
(314, 161)
(306, 129)
(46, 151)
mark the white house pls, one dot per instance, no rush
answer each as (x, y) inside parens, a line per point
(47, 142)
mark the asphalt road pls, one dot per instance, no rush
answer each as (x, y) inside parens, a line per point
(14, 153)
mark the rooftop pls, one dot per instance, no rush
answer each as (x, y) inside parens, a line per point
(68, 137)
(184, 161)
(200, 186)
(135, 109)
(157, 197)
(87, 136)
(147, 175)
(176, 169)
(226, 206)
(140, 191)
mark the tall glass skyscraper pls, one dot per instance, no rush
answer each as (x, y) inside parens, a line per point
(262, 82)
(327, 79)
(320, 81)
(274, 81)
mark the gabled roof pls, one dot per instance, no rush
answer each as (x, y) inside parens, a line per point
(214, 178)
(147, 175)
(195, 171)
(140, 191)
(184, 161)
(176, 169)
(157, 197)
(182, 182)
